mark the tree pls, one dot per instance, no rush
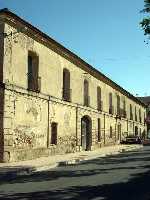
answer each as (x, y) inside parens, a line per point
(145, 23)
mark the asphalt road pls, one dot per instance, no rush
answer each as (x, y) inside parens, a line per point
(120, 177)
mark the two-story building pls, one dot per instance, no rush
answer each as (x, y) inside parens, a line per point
(52, 101)
(146, 100)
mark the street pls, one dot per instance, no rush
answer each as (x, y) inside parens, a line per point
(125, 176)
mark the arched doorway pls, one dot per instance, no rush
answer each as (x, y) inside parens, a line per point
(86, 133)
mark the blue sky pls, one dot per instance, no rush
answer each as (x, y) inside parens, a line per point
(104, 33)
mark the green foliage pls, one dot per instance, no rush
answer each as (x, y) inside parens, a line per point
(145, 23)
(146, 6)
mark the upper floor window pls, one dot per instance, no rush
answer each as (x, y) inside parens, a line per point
(140, 119)
(34, 81)
(99, 100)
(131, 114)
(124, 108)
(86, 93)
(111, 111)
(118, 105)
(135, 114)
(66, 85)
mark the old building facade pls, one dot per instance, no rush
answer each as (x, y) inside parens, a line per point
(53, 102)
(146, 100)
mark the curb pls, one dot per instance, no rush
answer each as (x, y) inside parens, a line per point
(78, 160)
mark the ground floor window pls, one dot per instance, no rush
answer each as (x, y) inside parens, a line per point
(136, 130)
(54, 133)
(99, 129)
(111, 132)
(119, 132)
(140, 132)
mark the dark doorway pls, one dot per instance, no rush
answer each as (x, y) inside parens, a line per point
(86, 133)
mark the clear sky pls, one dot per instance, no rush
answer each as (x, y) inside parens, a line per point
(105, 33)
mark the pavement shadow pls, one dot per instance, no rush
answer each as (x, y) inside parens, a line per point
(10, 173)
(126, 157)
(97, 166)
(137, 188)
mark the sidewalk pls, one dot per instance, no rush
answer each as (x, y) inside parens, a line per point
(44, 163)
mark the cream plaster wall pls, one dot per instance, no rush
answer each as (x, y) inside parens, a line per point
(51, 72)
(28, 117)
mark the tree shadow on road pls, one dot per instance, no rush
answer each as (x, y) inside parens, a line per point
(109, 164)
(137, 188)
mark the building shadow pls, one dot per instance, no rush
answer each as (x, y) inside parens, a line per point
(137, 188)
(106, 165)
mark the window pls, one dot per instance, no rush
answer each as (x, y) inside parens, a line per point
(136, 130)
(140, 132)
(99, 102)
(118, 105)
(66, 85)
(54, 133)
(111, 111)
(135, 115)
(86, 93)
(131, 114)
(34, 81)
(124, 108)
(140, 120)
(144, 118)
(111, 132)
(99, 129)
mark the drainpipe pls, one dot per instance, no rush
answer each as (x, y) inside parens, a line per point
(116, 131)
(127, 126)
(48, 123)
(76, 126)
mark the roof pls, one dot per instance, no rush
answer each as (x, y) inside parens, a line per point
(60, 49)
(145, 99)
